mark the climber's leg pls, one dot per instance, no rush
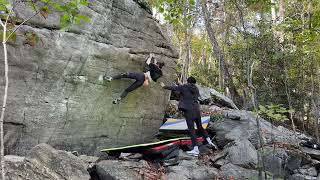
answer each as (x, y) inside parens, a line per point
(139, 77)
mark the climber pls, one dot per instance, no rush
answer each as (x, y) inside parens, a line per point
(188, 104)
(141, 78)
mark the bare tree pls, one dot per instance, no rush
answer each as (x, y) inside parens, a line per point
(5, 95)
(189, 23)
(226, 81)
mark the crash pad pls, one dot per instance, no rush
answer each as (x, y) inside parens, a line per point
(139, 147)
(176, 125)
(182, 142)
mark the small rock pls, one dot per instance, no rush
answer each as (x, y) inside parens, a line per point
(218, 156)
(220, 163)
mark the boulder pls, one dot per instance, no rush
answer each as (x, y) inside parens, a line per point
(282, 162)
(242, 153)
(235, 124)
(88, 159)
(275, 161)
(45, 163)
(211, 95)
(230, 127)
(114, 169)
(172, 110)
(189, 169)
(302, 177)
(55, 95)
(314, 153)
(131, 170)
(307, 170)
(231, 171)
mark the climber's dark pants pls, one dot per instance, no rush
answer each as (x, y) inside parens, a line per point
(193, 116)
(139, 77)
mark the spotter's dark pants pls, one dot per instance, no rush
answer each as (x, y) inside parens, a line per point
(193, 116)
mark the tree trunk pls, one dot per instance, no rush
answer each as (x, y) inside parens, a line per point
(281, 19)
(216, 48)
(273, 11)
(187, 59)
(225, 80)
(204, 51)
(189, 25)
(289, 100)
(314, 101)
(5, 95)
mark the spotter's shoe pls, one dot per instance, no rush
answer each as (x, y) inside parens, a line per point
(194, 153)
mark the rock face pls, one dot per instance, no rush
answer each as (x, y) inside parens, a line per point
(44, 162)
(55, 95)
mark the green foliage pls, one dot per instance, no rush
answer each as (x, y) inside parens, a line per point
(274, 112)
(79, 19)
(12, 38)
(70, 12)
(175, 11)
(4, 5)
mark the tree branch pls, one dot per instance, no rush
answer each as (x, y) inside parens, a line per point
(8, 15)
(21, 25)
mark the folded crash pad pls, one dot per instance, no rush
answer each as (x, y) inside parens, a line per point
(139, 147)
(180, 125)
(182, 142)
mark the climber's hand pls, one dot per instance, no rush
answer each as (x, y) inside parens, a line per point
(162, 84)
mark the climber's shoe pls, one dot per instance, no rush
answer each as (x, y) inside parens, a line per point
(116, 101)
(107, 78)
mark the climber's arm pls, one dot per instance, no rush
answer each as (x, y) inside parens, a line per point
(149, 59)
